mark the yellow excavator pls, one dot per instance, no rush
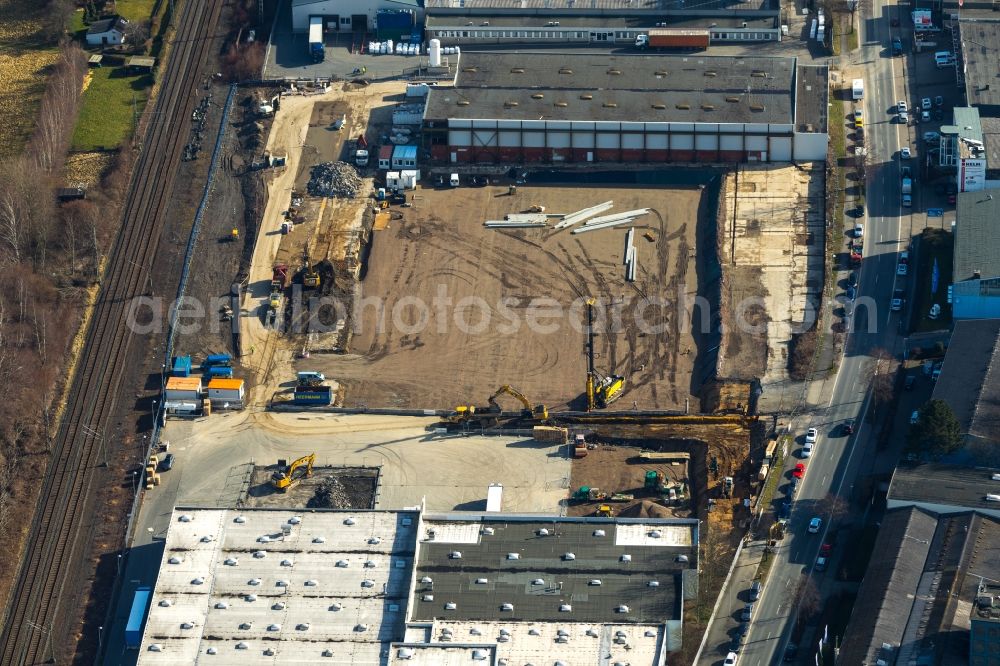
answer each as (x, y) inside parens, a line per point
(490, 414)
(284, 477)
(602, 390)
(310, 278)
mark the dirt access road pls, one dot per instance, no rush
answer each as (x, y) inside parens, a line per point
(445, 334)
(301, 131)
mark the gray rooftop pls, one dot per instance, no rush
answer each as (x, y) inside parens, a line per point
(708, 89)
(981, 46)
(883, 606)
(918, 596)
(940, 487)
(545, 564)
(811, 98)
(991, 137)
(455, 21)
(977, 244)
(582, 6)
(970, 378)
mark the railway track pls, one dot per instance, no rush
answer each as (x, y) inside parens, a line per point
(31, 633)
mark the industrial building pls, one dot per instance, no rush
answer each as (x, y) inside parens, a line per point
(964, 150)
(351, 587)
(355, 15)
(976, 257)
(551, 108)
(930, 595)
(968, 382)
(604, 31)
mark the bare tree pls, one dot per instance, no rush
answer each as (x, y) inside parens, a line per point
(136, 32)
(808, 599)
(881, 374)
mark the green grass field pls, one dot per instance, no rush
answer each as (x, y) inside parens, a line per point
(110, 105)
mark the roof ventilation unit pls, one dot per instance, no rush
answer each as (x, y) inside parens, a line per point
(513, 556)
(507, 607)
(311, 582)
(374, 541)
(538, 96)
(343, 564)
(455, 555)
(250, 597)
(239, 519)
(274, 627)
(595, 581)
(509, 104)
(661, 72)
(599, 533)
(517, 70)
(538, 581)
(231, 562)
(482, 581)
(622, 609)
(451, 605)
(488, 531)
(319, 539)
(565, 70)
(711, 72)
(198, 581)
(614, 72)
(222, 605)
(294, 520)
(759, 74)
(732, 99)
(565, 608)
(757, 107)
(682, 106)
(242, 646)
(569, 557)
(610, 105)
(626, 558)
(279, 605)
(175, 560)
(286, 563)
(349, 521)
(167, 603)
(586, 96)
(707, 107)
(659, 105)
(470, 70)
(561, 105)
(185, 518)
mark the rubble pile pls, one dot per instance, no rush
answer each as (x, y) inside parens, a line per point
(331, 494)
(334, 179)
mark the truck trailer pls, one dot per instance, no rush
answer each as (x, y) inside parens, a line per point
(673, 38)
(857, 89)
(316, 50)
(136, 618)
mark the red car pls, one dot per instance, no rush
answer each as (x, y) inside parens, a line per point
(825, 549)
(799, 471)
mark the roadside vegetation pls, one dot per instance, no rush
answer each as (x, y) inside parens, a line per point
(52, 252)
(937, 432)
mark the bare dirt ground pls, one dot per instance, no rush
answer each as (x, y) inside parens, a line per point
(325, 228)
(439, 259)
(771, 251)
(346, 488)
(620, 469)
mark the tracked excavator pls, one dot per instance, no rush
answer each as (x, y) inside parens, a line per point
(490, 414)
(285, 476)
(602, 390)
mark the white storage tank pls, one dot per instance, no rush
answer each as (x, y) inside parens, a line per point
(435, 53)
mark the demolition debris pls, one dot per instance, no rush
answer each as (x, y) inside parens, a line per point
(334, 179)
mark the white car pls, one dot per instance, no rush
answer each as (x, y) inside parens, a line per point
(925, 103)
(730, 659)
(811, 435)
(814, 525)
(807, 450)
(901, 269)
(859, 230)
(901, 106)
(904, 153)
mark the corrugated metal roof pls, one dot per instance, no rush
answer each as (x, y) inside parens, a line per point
(405, 152)
(184, 384)
(231, 384)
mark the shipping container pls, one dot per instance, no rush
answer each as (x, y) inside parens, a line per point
(137, 617)
(220, 371)
(181, 366)
(314, 395)
(217, 359)
(404, 157)
(182, 388)
(385, 157)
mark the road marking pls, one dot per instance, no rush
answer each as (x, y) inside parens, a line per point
(824, 480)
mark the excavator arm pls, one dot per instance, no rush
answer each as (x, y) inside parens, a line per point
(539, 412)
(283, 479)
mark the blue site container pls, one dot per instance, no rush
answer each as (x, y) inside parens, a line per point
(182, 366)
(137, 617)
(218, 359)
(313, 395)
(223, 371)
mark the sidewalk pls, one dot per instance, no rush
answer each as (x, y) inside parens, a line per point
(732, 598)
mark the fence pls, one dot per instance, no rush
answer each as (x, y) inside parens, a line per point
(168, 354)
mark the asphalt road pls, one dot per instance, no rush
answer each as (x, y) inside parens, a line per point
(834, 464)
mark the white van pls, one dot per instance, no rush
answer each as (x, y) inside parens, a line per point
(453, 181)
(944, 59)
(309, 378)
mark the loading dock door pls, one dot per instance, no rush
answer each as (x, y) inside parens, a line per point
(359, 22)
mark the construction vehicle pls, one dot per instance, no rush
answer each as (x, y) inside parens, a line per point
(285, 476)
(580, 447)
(538, 412)
(605, 511)
(601, 390)
(727, 487)
(310, 278)
(489, 415)
(588, 494)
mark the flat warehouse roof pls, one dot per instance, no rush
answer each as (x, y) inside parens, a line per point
(457, 22)
(544, 86)
(552, 570)
(240, 582)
